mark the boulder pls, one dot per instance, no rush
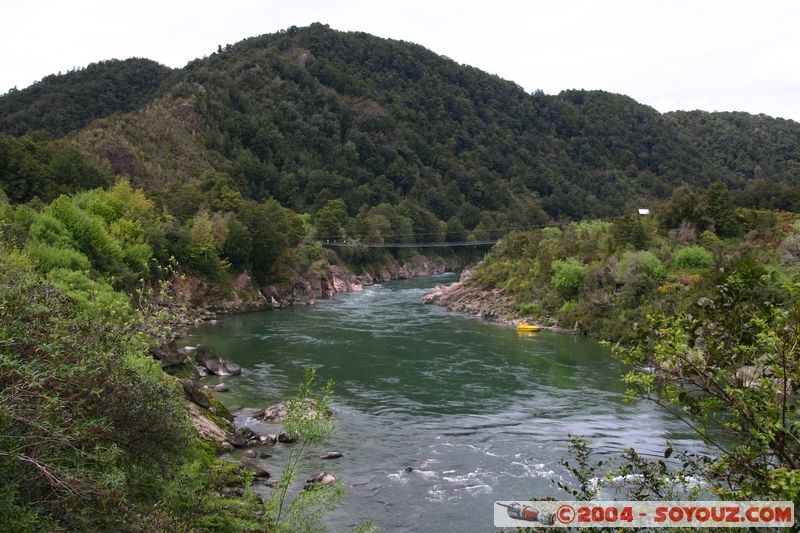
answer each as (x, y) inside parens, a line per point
(330, 455)
(195, 393)
(276, 413)
(256, 466)
(244, 437)
(168, 354)
(250, 453)
(285, 438)
(221, 387)
(216, 365)
(269, 438)
(323, 478)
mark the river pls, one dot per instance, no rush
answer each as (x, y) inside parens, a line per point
(480, 412)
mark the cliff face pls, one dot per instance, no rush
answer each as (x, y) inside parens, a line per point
(196, 299)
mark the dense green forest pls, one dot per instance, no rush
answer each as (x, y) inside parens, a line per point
(311, 115)
(94, 435)
(59, 104)
(116, 177)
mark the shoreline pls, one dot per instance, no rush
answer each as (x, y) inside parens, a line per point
(491, 305)
(196, 300)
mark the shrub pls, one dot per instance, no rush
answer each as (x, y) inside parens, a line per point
(528, 308)
(88, 438)
(49, 257)
(693, 257)
(640, 264)
(95, 297)
(568, 275)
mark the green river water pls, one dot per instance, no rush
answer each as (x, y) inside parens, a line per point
(480, 412)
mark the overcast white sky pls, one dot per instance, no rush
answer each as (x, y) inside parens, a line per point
(670, 54)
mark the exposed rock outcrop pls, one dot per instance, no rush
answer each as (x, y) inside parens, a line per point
(285, 438)
(468, 296)
(207, 428)
(244, 436)
(197, 300)
(195, 393)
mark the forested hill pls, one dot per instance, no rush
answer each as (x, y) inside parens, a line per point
(311, 114)
(59, 104)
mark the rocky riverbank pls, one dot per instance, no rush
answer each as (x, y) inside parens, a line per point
(195, 299)
(470, 297)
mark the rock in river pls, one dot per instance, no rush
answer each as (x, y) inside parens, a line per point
(244, 437)
(216, 365)
(257, 466)
(285, 438)
(322, 477)
(276, 413)
(330, 455)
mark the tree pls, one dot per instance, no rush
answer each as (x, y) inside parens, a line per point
(718, 207)
(275, 230)
(682, 208)
(629, 232)
(729, 368)
(309, 421)
(238, 244)
(84, 415)
(454, 230)
(332, 220)
(205, 246)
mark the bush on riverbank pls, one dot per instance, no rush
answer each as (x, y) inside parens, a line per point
(586, 276)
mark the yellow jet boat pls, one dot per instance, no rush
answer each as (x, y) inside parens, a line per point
(524, 326)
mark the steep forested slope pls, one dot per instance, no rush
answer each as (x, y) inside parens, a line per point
(311, 114)
(60, 103)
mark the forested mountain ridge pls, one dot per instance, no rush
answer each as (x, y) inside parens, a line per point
(309, 115)
(59, 104)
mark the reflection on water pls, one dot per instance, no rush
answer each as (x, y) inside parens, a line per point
(480, 412)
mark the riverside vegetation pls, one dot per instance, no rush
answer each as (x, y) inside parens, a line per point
(120, 176)
(704, 302)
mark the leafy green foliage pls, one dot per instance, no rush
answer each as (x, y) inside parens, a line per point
(34, 167)
(275, 231)
(634, 265)
(62, 103)
(308, 420)
(630, 476)
(568, 275)
(83, 425)
(238, 244)
(729, 369)
(720, 211)
(693, 257)
(311, 115)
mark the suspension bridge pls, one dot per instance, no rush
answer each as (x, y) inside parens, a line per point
(356, 244)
